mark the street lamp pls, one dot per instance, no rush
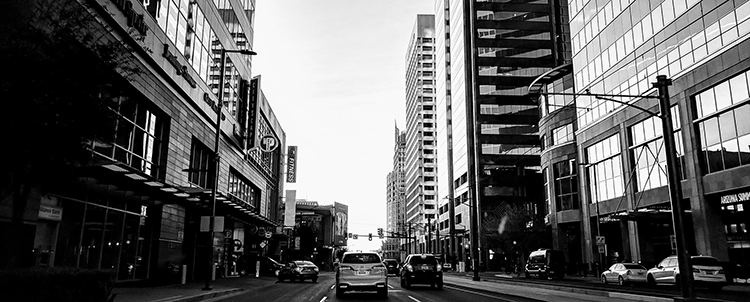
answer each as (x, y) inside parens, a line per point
(220, 95)
(598, 227)
(675, 190)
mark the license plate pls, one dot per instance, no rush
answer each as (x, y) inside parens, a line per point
(362, 273)
(425, 267)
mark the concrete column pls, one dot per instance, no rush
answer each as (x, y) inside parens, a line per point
(635, 249)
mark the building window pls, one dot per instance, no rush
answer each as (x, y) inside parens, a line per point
(201, 165)
(648, 154)
(172, 16)
(139, 135)
(546, 191)
(241, 189)
(723, 124)
(198, 43)
(605, 169)
(458, 219)
(566, 185)
(562, 134)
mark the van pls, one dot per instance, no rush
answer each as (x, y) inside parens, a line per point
(545, 263)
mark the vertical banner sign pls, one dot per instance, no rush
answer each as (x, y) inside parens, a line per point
(290, 208)
(291, 164)
(242, 112)
(340, 224)
(253, 112)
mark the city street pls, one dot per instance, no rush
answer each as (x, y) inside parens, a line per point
(323, 291)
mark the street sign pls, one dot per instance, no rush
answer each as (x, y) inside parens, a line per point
(601, 249)
(268, 143)
(268, 234)
(600, 240)
(355, 236)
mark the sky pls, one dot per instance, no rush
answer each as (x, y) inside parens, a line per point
(334, 73)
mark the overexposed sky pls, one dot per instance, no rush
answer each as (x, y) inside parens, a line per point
(333, 71)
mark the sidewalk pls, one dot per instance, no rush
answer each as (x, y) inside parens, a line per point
(192, 291)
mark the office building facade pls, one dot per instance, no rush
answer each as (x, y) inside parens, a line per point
(396, 200)
(140, 207)
(492, 125)
(619, 47)
(420, 170)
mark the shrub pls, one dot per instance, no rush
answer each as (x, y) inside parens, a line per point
(56, 284)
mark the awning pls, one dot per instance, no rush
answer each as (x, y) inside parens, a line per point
(536, 86)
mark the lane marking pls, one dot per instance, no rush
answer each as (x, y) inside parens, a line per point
(324, 298)
(333, 286)
(479, 294)
(389, 286)
(415, 299)
(167, 298)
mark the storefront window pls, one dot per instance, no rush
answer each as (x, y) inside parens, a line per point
(97, 234)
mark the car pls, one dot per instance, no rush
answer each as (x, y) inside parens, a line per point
(391, 266)
(421, 269)
(624, 273)
(299, 270)
(545, 263)
(707, 271)
(361, 271)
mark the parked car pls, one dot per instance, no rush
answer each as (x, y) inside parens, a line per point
(707, 271)
(359, 271)
(299, 270)
(391, 266)
(624, 273)
(268, 266)
(421, 269)
(545, 263)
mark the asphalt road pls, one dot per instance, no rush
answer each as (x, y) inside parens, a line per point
(323, 291)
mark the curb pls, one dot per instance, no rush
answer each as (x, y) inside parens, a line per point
(589, 292)
(204, 296)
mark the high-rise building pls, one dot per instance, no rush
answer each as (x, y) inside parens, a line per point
(138, 207)
(619, 47)
(421, 174)
(396, 202)
(492, 149)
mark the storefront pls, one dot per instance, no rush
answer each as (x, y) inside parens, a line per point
(736, 221)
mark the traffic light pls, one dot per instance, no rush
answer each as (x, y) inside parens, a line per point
(370, 237)
(380, 233)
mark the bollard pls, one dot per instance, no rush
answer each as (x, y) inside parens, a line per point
(184, 273)
(257, 269)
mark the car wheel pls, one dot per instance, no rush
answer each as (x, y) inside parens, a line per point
(440, 284)
(650, 280)
(715, 288)
(383, 293)
(401, 280)
(432, 285)
(281, 279)
(527, 275)
(339, 292)
(314, 279)
(620, 281)
(407, 284)
(677, 281)
(604, 279)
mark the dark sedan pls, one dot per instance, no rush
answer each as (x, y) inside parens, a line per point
(299, 270)
(391, 266)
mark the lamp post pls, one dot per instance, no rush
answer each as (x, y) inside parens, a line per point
(598, 223)
(675, 190)
(220, 105)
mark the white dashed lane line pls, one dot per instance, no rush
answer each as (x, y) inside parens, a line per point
(332, 286)
(415, 299)
(389, 286)
(323, 300)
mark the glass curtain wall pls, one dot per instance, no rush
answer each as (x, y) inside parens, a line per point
(604, 170)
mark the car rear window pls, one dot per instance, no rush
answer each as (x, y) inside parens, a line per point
(361, 258)
(303, 263)
(634, 266)
(420, 260)
(707, 261)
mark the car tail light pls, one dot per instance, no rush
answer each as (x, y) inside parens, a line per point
(409, 268)
(695, 270)
(721, 271)
(628, 273)
(346, 270)
(439, 268)
(298, 269)
(378, 268)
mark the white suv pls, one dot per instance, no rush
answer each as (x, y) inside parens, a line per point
(707, 271)
(361, 272)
